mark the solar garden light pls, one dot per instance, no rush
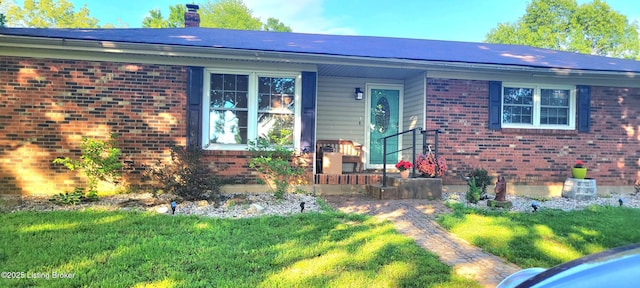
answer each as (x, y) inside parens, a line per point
(535, 205)
(173, 207)
(621, 201)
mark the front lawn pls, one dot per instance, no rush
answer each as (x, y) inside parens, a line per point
(133, 249)
(545, 238)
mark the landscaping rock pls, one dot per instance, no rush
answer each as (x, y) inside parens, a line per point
(266, 204)
(256, 208)
(523, 204)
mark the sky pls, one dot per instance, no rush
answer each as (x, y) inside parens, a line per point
(455, 20)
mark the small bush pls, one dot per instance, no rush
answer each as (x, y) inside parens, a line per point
(74, 198)
(186, 176)
(473, 192)
(273, 162)
(100, 161)
(482, 179)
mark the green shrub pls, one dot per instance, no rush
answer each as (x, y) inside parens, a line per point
(273, 161)
(75, 197)
(473, 192)
(186, 176)
(482, 179)
(100, 161)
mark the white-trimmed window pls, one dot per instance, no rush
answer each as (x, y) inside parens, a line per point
(538, 106)
(242, 106)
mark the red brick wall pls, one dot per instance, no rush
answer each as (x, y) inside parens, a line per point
(535, 157)
(48, 105)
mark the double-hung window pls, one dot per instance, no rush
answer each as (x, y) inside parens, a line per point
(538, 106)
(242, 106)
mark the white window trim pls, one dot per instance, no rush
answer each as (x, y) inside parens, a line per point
(252, 105)
(537, 106)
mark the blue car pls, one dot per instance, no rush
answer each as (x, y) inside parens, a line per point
(618, 267)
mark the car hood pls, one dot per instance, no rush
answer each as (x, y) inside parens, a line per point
(618, 267)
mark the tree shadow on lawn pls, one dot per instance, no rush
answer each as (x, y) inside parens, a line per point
(548, 237)
(104, 248)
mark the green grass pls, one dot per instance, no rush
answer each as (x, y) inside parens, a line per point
(548, 237)
(131, 249)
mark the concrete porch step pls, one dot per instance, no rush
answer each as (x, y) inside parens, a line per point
(347, 179)
(411, 188)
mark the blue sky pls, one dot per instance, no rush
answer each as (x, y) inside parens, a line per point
(457, 20)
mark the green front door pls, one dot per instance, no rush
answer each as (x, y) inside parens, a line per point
(384, 120)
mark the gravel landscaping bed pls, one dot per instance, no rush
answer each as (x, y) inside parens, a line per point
(523, 204)
(252, 205)
(233, 205)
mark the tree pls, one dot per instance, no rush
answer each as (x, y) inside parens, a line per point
(590, 28)
(599, 30)
(175, 20)
(227, 14)
(2, 17)
(176, 16)
(49, 13)
(154, 20)
(274, 24)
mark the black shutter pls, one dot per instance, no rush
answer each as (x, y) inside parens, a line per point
(495, 105)
(194, 105)
(584, 108)
(307, 135)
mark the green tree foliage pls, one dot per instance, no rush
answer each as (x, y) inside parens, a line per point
(176, 15)
(600, 30)
(154, 20)
(49, 13)
(590, 28)
(274, 24)
(227, 14)
(175, 20)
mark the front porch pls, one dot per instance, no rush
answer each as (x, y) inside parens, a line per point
(365, 178)
(370, 183)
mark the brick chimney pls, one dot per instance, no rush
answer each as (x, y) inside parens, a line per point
(191, 17)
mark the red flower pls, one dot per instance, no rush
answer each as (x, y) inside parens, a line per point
(404, 165)
(430, 166)
(579, 164)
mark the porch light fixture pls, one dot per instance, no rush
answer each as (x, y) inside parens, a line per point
(358, 94)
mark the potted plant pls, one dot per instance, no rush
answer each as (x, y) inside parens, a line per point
(579, 171)
(404, 167)
(430, 166)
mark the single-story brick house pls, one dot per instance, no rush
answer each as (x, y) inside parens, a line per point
(522, 112)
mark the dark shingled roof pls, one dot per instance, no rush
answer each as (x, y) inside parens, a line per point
(338, 45)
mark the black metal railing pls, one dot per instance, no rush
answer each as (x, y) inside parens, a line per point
(425, 146)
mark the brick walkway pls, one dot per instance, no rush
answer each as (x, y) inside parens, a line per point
(416, 219)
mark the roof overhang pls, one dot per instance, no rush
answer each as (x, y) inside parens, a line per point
(333, 65)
